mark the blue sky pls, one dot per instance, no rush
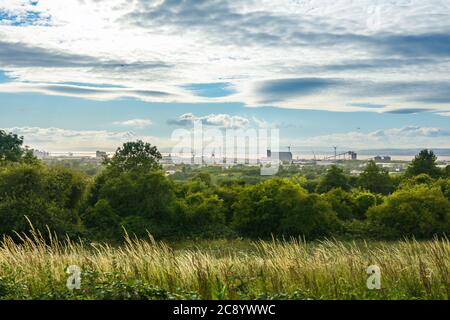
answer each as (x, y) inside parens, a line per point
(88, 75)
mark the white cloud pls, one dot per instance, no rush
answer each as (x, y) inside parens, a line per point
(405, 137)
(261, 123)
(59, 140)
(162, 45)
(217, 120)
(64, 140)
(90, 92)
(138, 123)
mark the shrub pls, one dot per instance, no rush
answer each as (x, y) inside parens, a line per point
(342, 203)
(46, 196)
(334, 178)
(421, 211)
(375, 179)
(364, 201)
(281, 207)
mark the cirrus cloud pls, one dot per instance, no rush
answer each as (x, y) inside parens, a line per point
(287, 54)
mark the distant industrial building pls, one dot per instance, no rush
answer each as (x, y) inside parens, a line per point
(283, 157)
(350, 155)
(382, 158)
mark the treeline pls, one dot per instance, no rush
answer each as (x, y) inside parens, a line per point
(132, 193)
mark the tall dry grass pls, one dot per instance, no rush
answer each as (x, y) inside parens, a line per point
(294, 269)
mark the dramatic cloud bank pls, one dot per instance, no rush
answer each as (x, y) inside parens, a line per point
(320, 54)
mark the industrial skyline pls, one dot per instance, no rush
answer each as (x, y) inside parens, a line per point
(85, 75)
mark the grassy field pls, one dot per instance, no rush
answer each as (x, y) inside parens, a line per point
(145, 269)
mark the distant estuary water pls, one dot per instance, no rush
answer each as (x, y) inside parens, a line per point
(295, 155)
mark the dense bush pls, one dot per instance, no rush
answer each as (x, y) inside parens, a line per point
(375, 179)
(12, 150)
(444, 184)
(424, 162)
(139, 200)
(334, 178)
(342, 203)
(422, 211)
(133, 195)
(281, 207)
(43, 196)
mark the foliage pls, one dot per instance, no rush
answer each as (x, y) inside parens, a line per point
(421, 211)
(446, 172)
(136, 155)
(280, 206)
(444, 185)
(342, 203)
(363, 201)
(132, 194)
(375, 179)
(140, 201)
(294, 269)
(102, 222)
(11, 149)
(44, 196)
(424, 162)
(334, 178)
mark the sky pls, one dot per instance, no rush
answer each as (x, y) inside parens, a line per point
(86, 75)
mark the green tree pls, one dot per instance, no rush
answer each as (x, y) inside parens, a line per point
(309, 216)
(11, 149)
(204, 209)
(229, 195)
(102, 222)
(447, 171)
(421, 211)
(334, 178)
(133, 191)
(257, 212)
(342, 203)
(375, 179)
(146, 197)
(410, 182)
(204, 177)
(147, 194)
(281, 207)
(131, 156)
(201, 182)
(46, 196)
(424, 162)
(444, 185)
(363, 201)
